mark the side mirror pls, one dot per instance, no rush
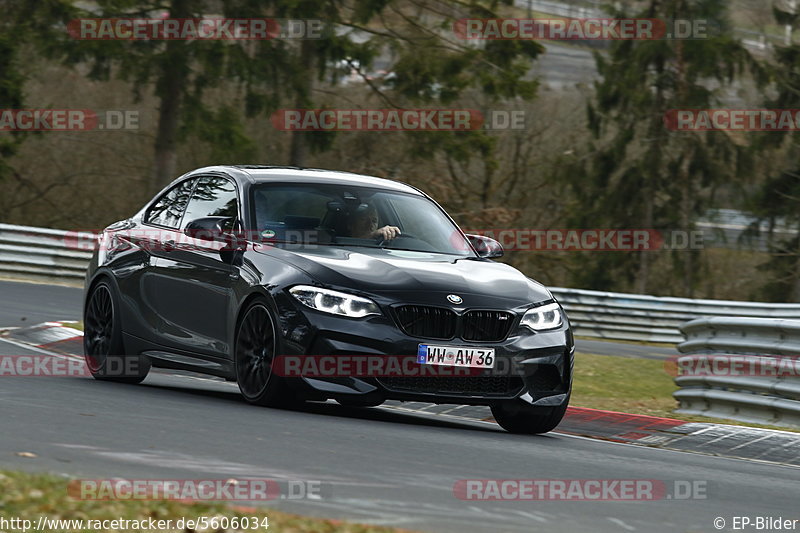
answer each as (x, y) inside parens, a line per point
(210, 229)
(486, 246)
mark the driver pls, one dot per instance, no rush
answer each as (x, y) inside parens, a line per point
(363, 224)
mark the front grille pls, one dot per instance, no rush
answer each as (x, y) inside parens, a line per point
(488, 326)
(440, 323)
(460, 386)
(428, 322)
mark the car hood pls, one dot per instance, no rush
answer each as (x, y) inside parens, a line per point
(381, 271)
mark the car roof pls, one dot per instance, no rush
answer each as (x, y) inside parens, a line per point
(266, 174)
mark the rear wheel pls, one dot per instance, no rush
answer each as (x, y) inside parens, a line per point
(102, 340)
(518, 417)
(256, 347)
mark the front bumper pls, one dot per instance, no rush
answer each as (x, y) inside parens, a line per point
(533, 367)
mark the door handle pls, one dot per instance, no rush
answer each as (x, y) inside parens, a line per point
(169, 245)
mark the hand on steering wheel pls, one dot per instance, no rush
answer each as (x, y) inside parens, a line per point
(399, 236)
(386, 233)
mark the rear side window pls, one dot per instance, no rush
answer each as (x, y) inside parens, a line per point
(168, 209)
(213, 197)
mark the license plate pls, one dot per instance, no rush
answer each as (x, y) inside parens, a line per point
(429, 354)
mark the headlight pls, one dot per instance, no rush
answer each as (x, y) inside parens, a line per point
(543, 317)
(334, 302)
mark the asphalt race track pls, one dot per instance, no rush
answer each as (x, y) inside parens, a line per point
(26, 304)
(376, 466)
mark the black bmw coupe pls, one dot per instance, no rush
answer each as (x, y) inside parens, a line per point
(274, 276)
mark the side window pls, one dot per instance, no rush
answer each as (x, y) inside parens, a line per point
(168, 209)
(213, 197)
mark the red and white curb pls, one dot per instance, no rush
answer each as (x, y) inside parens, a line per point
(49, 337)
(620, 427)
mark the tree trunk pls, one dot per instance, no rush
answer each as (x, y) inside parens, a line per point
(643, 274)
(687, 197)
(650, 181)
(796, 273)
(170, 88)
(298, 151)
(685, 181)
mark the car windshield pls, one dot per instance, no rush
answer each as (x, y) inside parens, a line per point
(347, 216)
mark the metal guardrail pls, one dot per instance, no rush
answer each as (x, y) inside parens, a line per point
(62, 256)
(42, 254)
(742, 395)
(636, 317)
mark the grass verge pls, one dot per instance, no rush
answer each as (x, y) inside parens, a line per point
(623, 341)
(29, 496)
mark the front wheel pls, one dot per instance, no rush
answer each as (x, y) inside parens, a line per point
(256, 347)
(517, 417)
(102, 340)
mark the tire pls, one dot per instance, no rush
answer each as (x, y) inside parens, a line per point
(103, 348)
(517, 417)
(255, 347)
